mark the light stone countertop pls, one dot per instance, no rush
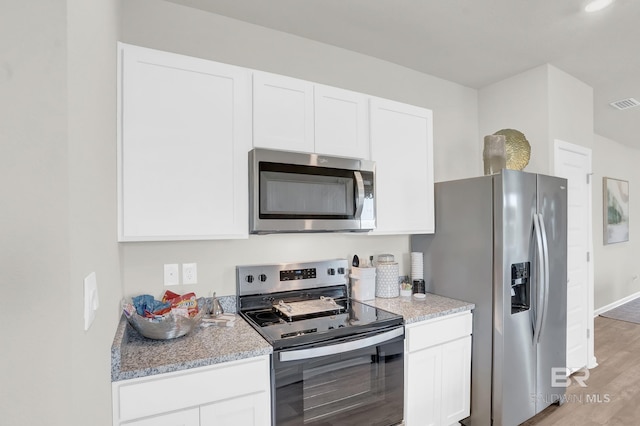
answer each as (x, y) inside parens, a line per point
(133, 355)
(415, 310)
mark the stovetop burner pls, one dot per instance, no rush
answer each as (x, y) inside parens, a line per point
(265, 318)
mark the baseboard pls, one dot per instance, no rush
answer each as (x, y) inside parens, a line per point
(615, 304)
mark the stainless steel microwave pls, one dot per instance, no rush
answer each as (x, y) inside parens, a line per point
(298, 192)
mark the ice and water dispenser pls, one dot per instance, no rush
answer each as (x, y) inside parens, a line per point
(520, 288)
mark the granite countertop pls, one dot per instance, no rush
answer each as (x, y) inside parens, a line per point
(133, 355)
(415, 310)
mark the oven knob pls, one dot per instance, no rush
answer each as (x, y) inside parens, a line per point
(249, 278)
(341, 271)
(331, 271)
(262, 278)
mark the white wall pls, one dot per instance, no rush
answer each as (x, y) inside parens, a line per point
(57, 102)
(570, 111)
(36, 327)
(616, 265)
(92, 30)
(520, 102)
(167, 26)
(545, 104)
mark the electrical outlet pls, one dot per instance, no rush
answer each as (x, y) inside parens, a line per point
(171, 274)
(189, 273)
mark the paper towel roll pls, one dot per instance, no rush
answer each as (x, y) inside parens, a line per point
(417, 266)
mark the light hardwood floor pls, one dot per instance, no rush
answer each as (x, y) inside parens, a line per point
(612, 394)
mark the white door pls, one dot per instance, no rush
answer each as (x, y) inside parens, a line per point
(423, 387)
(402, 147)
(189, 417)
(282, 113)
(456, 380)
(341, 125)
(573, 162)
(247, 410)
(182, 151)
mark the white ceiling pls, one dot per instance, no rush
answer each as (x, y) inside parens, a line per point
(476, 42)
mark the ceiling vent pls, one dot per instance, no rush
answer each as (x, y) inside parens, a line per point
(625, 103)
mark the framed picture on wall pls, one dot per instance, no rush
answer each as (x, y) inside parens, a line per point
(616, 210)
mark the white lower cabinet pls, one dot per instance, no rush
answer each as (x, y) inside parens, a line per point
(438, 371)
(190, 417)
(231, 393)
(247, 410)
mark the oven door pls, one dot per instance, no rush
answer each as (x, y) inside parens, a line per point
(357, 381)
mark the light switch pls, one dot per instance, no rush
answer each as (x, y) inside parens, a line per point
(91, 301)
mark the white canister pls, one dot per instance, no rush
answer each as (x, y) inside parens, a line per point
(363, 283)
(387, 272)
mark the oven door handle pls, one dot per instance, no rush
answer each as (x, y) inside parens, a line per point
(340, 347)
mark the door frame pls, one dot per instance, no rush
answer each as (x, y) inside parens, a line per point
(558, 146)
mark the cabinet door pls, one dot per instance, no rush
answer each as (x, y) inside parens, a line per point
(341, 125)
(423, 394)
(402, 147)
(190, 417)
(282, 113)
(248, 410)
(456, 380)
(184, 134)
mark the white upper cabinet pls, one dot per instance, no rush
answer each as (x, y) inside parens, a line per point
(185, 126)
(297, 115)
(402, 147)
(184, 134)
(282, 113)
(341, 122)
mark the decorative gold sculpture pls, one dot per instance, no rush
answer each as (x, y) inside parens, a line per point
(517, 147)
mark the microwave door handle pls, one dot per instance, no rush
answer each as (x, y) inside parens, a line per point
(359, 193)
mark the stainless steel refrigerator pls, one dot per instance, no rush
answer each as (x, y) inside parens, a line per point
(501, 243)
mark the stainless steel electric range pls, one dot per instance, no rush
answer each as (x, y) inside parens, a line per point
(336, 361)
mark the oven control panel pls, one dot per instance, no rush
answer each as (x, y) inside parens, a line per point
(298, 274)
(264, 279)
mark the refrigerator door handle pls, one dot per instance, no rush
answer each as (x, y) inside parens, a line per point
(539, 278)
(545, 250)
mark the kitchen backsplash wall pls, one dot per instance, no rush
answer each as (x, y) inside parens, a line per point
(216, 260)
